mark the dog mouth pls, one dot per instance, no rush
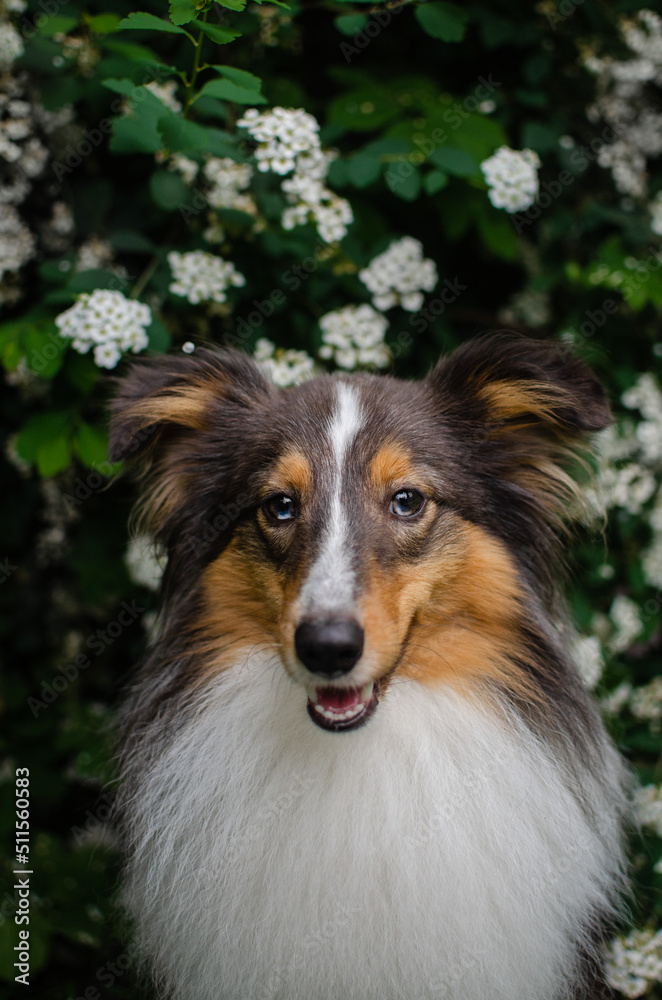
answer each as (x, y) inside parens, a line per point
(341, 709)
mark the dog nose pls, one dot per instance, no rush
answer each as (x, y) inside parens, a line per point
(329, 648)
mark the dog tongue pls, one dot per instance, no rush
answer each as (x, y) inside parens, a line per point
(337, 699)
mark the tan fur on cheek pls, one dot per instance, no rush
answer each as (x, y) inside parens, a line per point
(242, 602)
(469, 631)
(247, 604)
(451, 618)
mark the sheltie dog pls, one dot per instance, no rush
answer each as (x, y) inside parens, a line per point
(359, 762)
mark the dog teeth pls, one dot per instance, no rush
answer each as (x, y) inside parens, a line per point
(351, 713)
(366, 691)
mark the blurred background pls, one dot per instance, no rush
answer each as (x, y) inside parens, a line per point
(434, 171)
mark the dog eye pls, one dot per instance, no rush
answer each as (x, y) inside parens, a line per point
(281, 508)
(406, 503)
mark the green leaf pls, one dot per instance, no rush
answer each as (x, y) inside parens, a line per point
(91, 444)
(168, 189)
(455, 161)
(241, 77)
(182, 11)
(445, 21)
(181, 136)
(137, 131)
(232, 4)
(350, 24)
(158, 336)
(88, 281)
(44, 350)
(363, 169)
(209, 107)
(11, 353)
(57, 25)
(218, 33)
(222, 143)
(54, 456)
(365, 109)
(387, 147)
(119, 85)
(497, 233)
(228, 91)
(435, 181)
(102, 24)
(404, 180)
(130, 241)
(141, 21)
(39, 430)
(136, 53)
(81, 371)
(539, 137)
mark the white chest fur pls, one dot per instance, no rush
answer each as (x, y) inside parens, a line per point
(435, 854)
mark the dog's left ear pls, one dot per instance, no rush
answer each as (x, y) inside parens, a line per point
(523, 409)
(508, 382)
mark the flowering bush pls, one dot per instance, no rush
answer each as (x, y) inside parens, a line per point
(338, 186)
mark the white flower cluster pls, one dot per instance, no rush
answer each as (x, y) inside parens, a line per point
(288, 143)
(589, 661)
(187, 168)
(228, 182)
(648, 804)
(616, 700)
(107, 322)
(634, 962)
(94, 253)
(203, 277)
(11, 45)
(144, 564)
(353, 337)
(23, 156)
(655, 209)
(165, 92)
(645, 396)
(626, 620)
(646, 703)
(283, 367)
(645, 440)
(400, 275)
(622, 101)
(282, 134)
(530, 306)
(512, 178)
(17, 244)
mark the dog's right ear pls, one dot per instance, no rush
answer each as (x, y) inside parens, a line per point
(183, 393)
(182, 423)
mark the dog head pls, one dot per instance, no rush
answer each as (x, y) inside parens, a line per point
(359, 526)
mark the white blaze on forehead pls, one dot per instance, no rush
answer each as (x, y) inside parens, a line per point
(329, 586)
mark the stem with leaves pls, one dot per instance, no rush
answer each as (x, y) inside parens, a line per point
(190, 83)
